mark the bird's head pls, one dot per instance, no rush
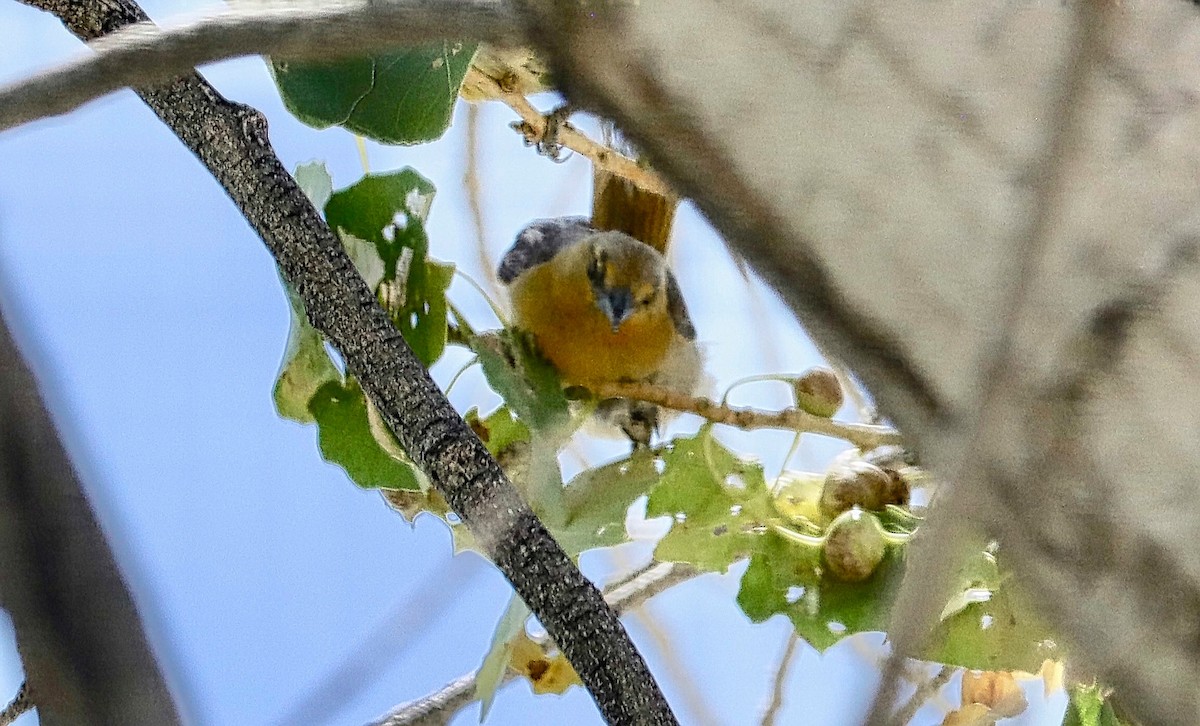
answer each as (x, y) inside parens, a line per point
(628, 278)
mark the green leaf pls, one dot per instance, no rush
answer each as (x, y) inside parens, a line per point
(314, 180)
(404, 97)
(719, 502)
(786, 577)
(491, 672)
(1089, 706)
(597, 501)
(389, 212)
(500, 431)
(528, 383)
(988, 626)
(306, 365)
(346, 439)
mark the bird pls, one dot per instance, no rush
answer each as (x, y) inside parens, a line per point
(602, 307)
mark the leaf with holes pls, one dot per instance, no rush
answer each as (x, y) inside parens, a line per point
(405, 97)
(597, 501)
(389, 211)
(719, 503)
(788, 577)
(306, 364)
(346, 439)
(528, 384)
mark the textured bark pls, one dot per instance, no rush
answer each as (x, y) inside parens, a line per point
(988, 211)
(231, 141)
(86, 658)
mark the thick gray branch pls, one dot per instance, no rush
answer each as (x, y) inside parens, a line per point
(145, 53)
(437, 708)
(231, 141)
(86, 657)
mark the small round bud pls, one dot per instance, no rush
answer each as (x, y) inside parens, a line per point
(818, 392)
(854, 546)
(854, 484)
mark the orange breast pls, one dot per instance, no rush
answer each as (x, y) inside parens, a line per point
(578, 339)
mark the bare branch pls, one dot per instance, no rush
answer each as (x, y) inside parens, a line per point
(925, 691)
(534, 128)
(78, 632)
(21, 703)
(864, 436)
(441, 705)
(230, 140)
(776, 703)
(143, 53)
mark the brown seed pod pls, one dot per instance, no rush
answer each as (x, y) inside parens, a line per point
(818, 392)
(855, 484)
(854, 546)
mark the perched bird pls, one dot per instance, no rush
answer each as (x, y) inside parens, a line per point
(602, 307)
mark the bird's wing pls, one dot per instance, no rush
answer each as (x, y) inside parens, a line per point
(678, 309)
(540, 242)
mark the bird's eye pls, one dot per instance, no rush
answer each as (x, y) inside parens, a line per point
(596, 266)
(646, 298)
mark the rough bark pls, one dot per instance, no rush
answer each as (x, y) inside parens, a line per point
(231, 141)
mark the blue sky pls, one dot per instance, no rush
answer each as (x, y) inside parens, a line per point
(155, 320)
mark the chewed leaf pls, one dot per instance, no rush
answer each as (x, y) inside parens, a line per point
(788, 577)
(345, 436)
(491, 672)
(719, 503)
(306, 365)
(528, 384)
(388, 212)
(405, 97)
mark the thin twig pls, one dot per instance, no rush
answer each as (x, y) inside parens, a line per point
(381, 646)
(773, 708)
(143, 54)
(21, 703)
(864, 436)
(475, 200)
(623, 595)
(690, 695)
(925, 691)
(534, 128)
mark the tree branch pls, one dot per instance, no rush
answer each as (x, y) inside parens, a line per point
(143, 53)
(533, 126)
(19, 706)
(77, 626)
(925, 691)
(439, 707)
(864, 436)
(230, 140)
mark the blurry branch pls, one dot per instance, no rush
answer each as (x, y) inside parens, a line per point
(21, 703)
(382, 645)
(142, 53)
(624, 595)
(690, 698)
(230, 140)
(776, 703)
(925, 691)
(78, 632)
(475, 200)
(534, 124)
(864, 436)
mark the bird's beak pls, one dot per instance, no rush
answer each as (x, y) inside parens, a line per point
(616, 304)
